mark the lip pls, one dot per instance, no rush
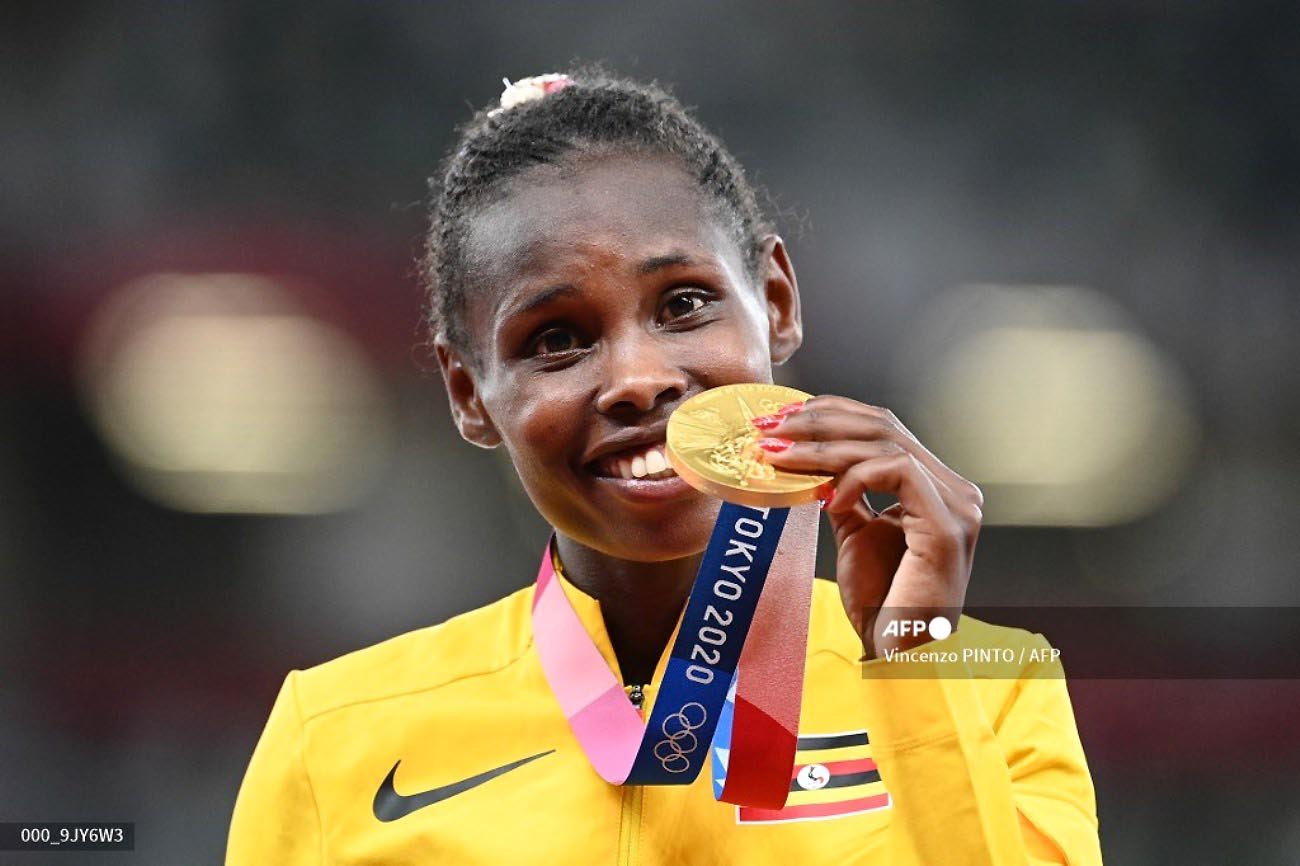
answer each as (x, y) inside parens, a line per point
(647, 490)
(625, 440)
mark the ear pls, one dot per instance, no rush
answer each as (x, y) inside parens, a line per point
(781, 290)
(467, 408)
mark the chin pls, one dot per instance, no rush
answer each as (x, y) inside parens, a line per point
(678, 530)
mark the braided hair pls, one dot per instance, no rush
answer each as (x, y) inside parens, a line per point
(595, 113)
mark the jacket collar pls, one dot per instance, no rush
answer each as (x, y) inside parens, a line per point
(589, 614)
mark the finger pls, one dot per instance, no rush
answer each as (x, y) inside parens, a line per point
(932, 531)
(828, 417)
(944, 475)
(967, 510)
(899, 474)
(862, 512)
(819, 422)
(839, 458)
(843, 494)
(873, 564)
(824, 457)
(839, 418)
(832, 458)
(830, 425)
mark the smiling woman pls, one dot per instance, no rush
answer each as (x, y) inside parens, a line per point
(596, 259)
(620, 296)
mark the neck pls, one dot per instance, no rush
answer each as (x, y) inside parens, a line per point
(640, 601)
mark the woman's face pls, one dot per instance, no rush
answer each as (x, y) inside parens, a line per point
(602, 296)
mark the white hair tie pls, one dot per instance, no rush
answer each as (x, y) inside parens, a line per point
(528, 89)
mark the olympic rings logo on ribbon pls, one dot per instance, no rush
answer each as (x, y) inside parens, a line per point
(680, 740)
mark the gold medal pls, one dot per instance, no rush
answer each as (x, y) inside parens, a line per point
(712, 445)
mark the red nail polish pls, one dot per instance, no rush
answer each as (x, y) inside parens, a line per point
(766, 422)
(790, 408)
(825, 494)
(775, 444)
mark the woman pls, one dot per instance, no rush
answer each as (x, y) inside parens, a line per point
(595, 259)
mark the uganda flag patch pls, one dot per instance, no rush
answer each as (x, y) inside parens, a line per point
(834, 775)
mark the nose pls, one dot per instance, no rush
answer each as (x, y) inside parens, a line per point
(640, 375)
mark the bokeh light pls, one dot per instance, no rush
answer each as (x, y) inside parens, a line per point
(1051, 400)
(218, 394)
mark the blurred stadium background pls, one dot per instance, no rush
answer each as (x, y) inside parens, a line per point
(1059, 240)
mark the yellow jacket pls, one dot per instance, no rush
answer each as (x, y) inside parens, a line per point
(445, 745)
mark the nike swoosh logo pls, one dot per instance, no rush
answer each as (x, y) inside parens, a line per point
(390, 805)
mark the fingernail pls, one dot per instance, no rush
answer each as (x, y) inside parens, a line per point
(767, 422)
(825, 494)
(774, 444)
(790, 408)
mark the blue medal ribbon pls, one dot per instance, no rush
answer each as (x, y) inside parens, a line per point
(702, 666)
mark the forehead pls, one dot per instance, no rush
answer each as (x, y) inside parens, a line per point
(558, 221)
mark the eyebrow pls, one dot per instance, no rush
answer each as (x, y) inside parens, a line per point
(540, 299)
(546, 296)
(655, 263)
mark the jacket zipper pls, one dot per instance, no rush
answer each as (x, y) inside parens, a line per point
(630, 820)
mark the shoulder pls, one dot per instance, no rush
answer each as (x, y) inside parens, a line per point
(478, 642)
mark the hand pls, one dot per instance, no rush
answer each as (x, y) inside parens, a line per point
(916, 554)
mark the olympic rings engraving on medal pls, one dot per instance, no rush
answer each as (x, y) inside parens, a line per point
(681, 741)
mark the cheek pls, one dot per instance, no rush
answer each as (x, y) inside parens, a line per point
(537, 429)
(740, 354)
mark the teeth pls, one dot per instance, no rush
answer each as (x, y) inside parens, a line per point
(650, 463)
(655, 462)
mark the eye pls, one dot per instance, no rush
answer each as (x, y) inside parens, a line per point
(683, 304)
(554, 341)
